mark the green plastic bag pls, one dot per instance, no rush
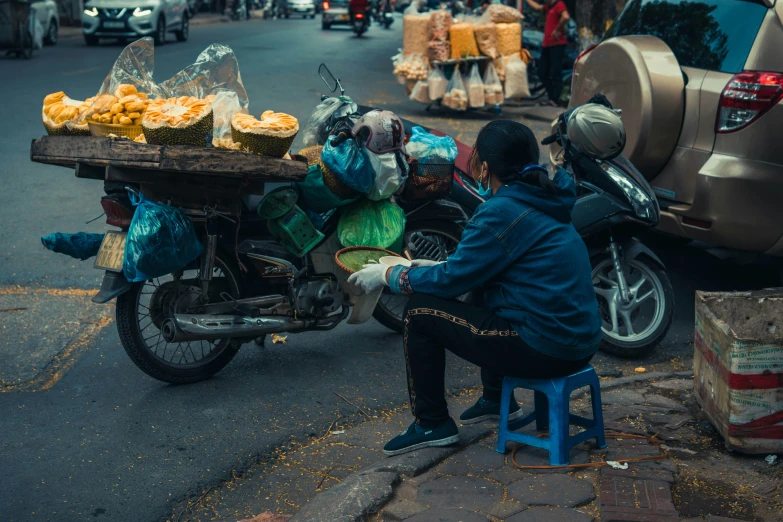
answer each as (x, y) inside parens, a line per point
(315, 195)
(371, 223)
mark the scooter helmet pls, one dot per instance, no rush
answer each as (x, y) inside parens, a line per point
(597, 131)
(380, 132)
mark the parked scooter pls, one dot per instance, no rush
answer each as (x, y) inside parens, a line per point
(615, 203)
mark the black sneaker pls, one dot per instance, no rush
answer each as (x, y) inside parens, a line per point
(416, 437)
(485, 410)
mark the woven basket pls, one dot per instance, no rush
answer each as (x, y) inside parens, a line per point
(124, 131)
(353, 248)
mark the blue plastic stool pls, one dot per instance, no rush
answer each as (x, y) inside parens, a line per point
(552, 413)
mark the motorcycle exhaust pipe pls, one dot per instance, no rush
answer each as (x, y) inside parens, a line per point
(186, 327)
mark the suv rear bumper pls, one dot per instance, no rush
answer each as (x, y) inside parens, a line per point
(740, 199)
(336, 16)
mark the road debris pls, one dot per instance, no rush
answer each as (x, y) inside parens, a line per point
(772, 459)
(640, 369)
(617, 465)
(279, 339)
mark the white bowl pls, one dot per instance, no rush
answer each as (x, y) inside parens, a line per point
(394, 261)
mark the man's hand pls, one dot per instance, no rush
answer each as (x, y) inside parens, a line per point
(556, 34)
(370, 278)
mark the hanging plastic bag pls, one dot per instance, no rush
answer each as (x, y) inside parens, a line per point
(463, 41)
(475, 87)
(370, 223)
(500, 13)
(347, 161)
(456, 97)
(509, 38)
(429, 148)
(390, 175)
(487, 38)
(516, 78)
(421, 92)
(317, 130)
(437, 83)
(315, 195)
(160, 240)
(80, 246)
(493, 89)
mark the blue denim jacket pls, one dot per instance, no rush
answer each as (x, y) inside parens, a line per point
(522, 246)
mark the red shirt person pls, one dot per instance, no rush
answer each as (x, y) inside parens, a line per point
(550, 66)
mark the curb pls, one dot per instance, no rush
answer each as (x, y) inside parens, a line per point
(366, 491)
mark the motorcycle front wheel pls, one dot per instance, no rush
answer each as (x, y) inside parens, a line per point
(140, 314)
(635, 326)
(434, 241)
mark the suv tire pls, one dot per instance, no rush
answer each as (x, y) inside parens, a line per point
(90, 40)
(52, 34)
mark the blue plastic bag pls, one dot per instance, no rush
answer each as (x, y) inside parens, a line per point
(347, 161)
(160, 240)
(81, 245)
(428, 148)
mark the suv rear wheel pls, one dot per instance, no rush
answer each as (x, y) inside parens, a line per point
(90, 40)
(52, 34)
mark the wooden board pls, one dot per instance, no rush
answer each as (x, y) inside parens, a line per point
(93, 151)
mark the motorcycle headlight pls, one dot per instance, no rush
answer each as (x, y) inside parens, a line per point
(91, 11)
(142, 11)
(643, 205)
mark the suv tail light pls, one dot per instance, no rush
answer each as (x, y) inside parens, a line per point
(326, 6)
(747, 96)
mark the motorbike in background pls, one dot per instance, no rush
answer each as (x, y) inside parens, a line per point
(384, 13)
(360, 22)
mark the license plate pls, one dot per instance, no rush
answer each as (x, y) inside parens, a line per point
(114, 25)
(112, 252)
(345, 17)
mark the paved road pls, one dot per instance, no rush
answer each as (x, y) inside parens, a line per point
(86, 436)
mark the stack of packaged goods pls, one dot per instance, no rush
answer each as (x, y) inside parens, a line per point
(478, 51)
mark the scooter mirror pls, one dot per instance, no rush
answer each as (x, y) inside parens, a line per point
(331, 82)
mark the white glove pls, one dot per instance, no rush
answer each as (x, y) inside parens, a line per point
(370, 278)
(425, 262)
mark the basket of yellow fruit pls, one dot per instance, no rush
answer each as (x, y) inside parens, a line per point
(118, 114)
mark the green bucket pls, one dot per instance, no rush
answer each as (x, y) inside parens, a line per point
(289, 223)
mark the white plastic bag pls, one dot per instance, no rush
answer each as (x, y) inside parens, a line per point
(36, 31)
(437, 84)
(516, 78)
(493, 89)
(456, 96)
(421, 92)
(389, 177)
(475, 87)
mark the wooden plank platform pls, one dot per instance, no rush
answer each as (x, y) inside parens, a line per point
(93, 154)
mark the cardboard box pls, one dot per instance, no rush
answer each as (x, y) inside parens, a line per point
(738, 367)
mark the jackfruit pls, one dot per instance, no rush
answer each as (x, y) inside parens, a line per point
(271, 135)
(186, 120)
(63, 116)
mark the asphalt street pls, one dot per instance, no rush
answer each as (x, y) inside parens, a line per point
(86, 435)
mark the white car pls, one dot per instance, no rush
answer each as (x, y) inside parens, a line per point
(129, 19)
(46, 12)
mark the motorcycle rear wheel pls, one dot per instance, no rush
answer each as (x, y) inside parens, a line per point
(650, 287)
(391, 307)
(150, 302)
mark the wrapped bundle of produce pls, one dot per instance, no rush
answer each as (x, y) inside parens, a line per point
(414, 67)
(415, 34)
(437, 83)
(503, 14)
(487, 39)
(509, 38)
(463, 41)
(475, 87)
(456, 97)
(493, 89)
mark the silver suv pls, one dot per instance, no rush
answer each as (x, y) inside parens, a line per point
(129, 19)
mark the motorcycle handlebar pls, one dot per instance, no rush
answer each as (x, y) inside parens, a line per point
(552, 138)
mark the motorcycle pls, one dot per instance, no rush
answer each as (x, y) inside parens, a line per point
(615, 203)
(186, 326)
(384, 15)
(361, 22)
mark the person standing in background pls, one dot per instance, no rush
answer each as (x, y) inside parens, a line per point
(550, 66)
